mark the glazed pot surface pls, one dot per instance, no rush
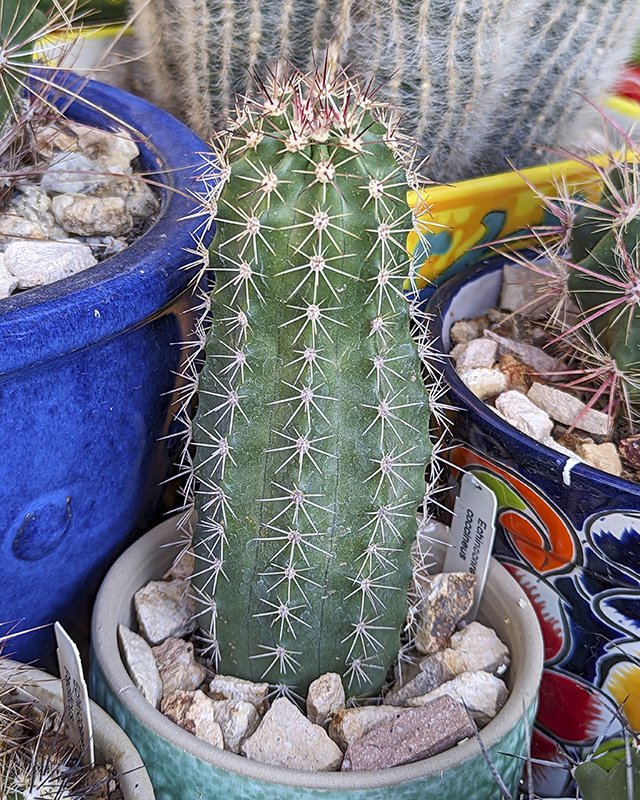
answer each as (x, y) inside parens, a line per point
(89, 375)
(183, 767)
(570, 534)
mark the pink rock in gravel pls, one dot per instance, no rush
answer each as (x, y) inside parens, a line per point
(569, 410)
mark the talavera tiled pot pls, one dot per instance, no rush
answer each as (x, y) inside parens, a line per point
(570, 534)
(88, 375)
(184, 768)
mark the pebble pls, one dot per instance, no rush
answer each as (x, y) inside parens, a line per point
(516, 373)
(480, 649)
(569, 410)
(114, 150)
(484, 382)
(478, 353)
(227, 687)
(325, 696)
(37, 263)
(31, 203)
(8, 282)
(237, 720)
(72, 173)
(286, 738)
(141, 665)
(15, 228)
(602, 456)
(350, 724)
(528, 354)
(182, 567)
(465, 330)
(524, 415)
(177, 666)
(164, 610)
(630, 451)
(193, 711)
(449, 599)
(435, 670)
(481, 693)
(417, 734)
(138, 198)
(92, 216)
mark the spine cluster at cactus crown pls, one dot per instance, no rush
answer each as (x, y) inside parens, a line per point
(312, 431)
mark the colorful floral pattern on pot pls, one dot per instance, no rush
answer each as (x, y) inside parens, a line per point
(571, 535)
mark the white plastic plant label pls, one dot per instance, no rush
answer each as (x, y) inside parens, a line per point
(77, 714)
(472, 533)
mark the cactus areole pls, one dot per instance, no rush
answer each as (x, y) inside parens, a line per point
(311, 432)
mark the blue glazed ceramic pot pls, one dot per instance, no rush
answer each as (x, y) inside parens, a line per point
(183, 767)
(88, 377)
(570, 534)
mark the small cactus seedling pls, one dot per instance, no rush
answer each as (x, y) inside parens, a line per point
(312, 428)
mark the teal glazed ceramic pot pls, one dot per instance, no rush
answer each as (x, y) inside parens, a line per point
(183, 767)
(89, 379)
(570, 534)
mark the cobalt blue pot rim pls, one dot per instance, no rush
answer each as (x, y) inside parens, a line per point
(127, 288)
(436, 308)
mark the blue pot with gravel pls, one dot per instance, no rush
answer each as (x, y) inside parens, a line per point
(89, 385)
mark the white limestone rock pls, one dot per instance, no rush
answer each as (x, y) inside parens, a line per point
(286, 738)
(482, 693)
(92, 216)
(519, 411)
(350, 724)
(177, 666)
(480, 649)
(227, 687)
(113, 150)
(72, 173)
(193, 711)
(569, 410)
(484, 382)
(164, 610)
(8, 282)
(237, 720)
(478, 353)
(38, 263)
(140, 665)
(325, 696)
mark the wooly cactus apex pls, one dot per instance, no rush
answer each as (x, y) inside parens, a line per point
(311, 436)
(479, 82)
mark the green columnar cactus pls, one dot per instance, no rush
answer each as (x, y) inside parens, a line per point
(478, 83)
(311, 431)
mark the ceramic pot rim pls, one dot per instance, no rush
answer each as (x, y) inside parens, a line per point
(125, 289)
(110, 740)
(436, 308)
(105, 652)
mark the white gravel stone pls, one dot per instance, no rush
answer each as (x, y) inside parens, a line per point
(480, 649)
(478, 353)
(193, 711)
(177, 666)
(484, 382)
(237, 719)
(15, 228)
(139, 200)
(37, 263)
(326, 695)
(523, 289)
(33, 204)
(92, 216)
(164, 610)
(465, 330)
(350, 724)
(482, 693)
(115, 150)
(8, 282)
(182, 567)
(141, 665)
(72, 173)
(568, 410)
(602, 456)
(286, 738)
(524, 415)
(528, 354)
(227, 687)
